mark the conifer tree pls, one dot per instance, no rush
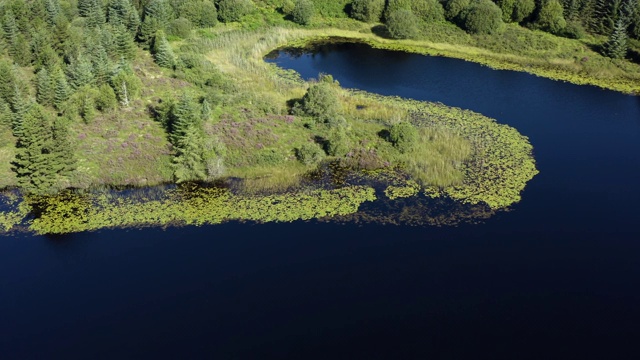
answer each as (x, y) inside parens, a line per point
(184, 115)
(65, 162)
(101, 65)
(206, 110)
(61, 88)
(617, 45)
(6, 116)
(52, 8)
(44, 88)
(125, 47)
(189, 162)
(80, 72)
(42, 153)
(162, 51)
(19, 106)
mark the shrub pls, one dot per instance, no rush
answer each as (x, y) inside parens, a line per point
(201, 13)
(180, 27)
(453, 8)
(482, 17)
(288, 6)
(522, 9)
(309, 154)
(321, 101)
(367, 10)
(551, 18)
(574, 30)
(338, 143)
(403, 136)
(302, 12)
(402, 24)
(233, 10)
(507, 7)
(106, 98)
(428, 10)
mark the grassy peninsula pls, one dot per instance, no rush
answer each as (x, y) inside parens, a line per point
(142, 93)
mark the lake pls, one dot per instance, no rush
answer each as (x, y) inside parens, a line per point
(556, 277)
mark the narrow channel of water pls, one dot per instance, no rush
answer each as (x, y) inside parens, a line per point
(554, 278)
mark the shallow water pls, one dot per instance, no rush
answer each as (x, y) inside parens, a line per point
(554, 278)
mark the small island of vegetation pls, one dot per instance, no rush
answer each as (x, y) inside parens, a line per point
(115, 94)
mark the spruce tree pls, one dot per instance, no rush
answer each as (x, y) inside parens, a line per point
(19, 106)
(52, 8)
(44, 88)
(189, 162)
(65, 162)
(184, 115)
(125, 46)
(61, 88)
(162, 51)
(35, 157)
(617, 45)
(206, 110)
(101, 65)
(80, 72)
(6, 116)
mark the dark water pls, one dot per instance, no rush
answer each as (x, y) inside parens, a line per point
(558, 277)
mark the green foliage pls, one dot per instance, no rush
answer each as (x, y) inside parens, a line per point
(44, 88)
(309, 154)
(162, 52)
(303, 11)
(321, 101)
(201, 13)
(43, 156)
(189, 161)
(106, 98)
(367, 10)
(181, 28)
(403, 136)
(428, 10)
(62, 91)
(402, 24)
(482, 17)
(616, 46)
(522, 9)
(80, 72)
(338, 143)
(453, 8)
(550, 17)
(68, 213)
(126, 85)
(233, 10)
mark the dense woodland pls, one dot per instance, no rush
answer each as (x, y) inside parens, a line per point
(69, 67)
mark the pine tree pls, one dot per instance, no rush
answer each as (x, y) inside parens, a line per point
(41, 153)
(184, 115)
(9, 26)
(189, 160)
(617, 45)
(61, 89)
(162, 51)
(101, 65)
(80, 72)
(52, 8)
(6, 116)
(125, 47)
(206, 110)
(44, 88)
(19, 106)
(65, 162)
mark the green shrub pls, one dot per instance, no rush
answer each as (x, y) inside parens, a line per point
(551, 18)
(338, 143)
(428, 10)
(233, 10)
(522, 9)
(288, 6)
(507, 7)
(402, 24)
(321, 101)
(453, 8)
(403, 136)
(309, 154)
(303, 11)
(367, 10)
(574, 30)
(106, 98)
(482, 17)
(180, 27)
(202, 13)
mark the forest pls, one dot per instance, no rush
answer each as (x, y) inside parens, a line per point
(108, 93)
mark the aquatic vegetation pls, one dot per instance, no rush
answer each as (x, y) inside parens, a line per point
(70, 212)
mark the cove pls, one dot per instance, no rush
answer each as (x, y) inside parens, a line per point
(556, 277)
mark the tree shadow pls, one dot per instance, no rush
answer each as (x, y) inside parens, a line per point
(381, 30)
(384, 134)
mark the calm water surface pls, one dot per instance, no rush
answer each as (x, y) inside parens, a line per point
(557, 277)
